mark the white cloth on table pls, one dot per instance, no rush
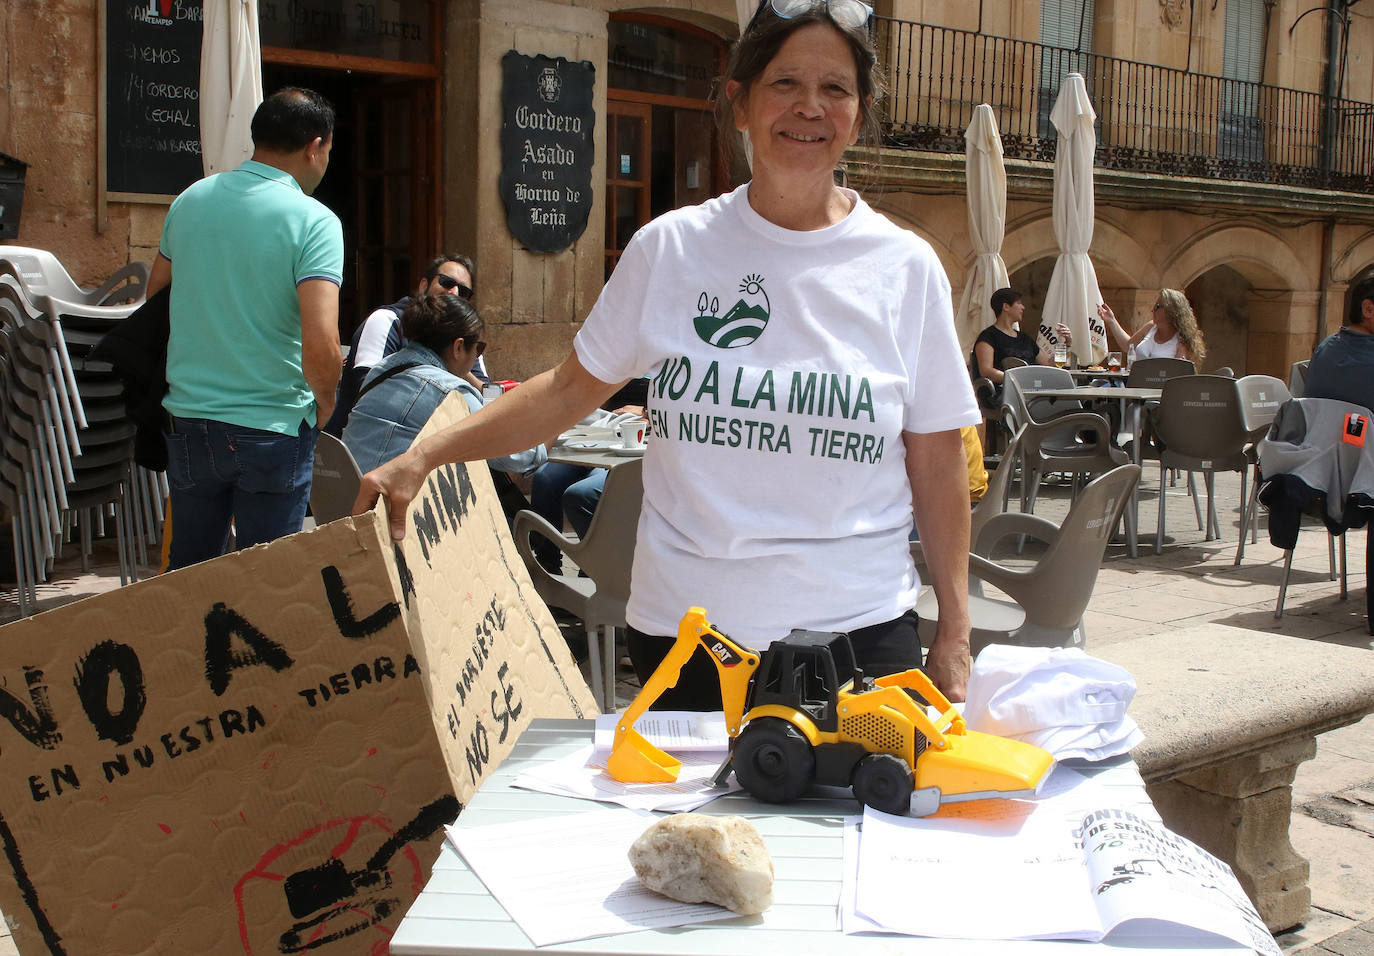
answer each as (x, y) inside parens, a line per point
(1058, 698)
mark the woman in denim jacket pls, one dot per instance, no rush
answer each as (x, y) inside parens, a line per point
(443, 333)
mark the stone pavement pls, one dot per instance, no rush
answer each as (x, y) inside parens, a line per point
(1193, 582)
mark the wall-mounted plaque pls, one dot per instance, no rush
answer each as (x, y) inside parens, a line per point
(546, 149)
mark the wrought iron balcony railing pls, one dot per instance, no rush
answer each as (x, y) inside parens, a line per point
(1151, 119)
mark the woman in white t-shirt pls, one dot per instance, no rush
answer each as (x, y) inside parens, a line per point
(1171, 333)
(806, 386)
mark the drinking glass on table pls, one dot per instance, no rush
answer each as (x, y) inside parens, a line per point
(1061, 355)
(1113, 361)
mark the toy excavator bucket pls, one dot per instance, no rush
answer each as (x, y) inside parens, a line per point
(635, 760)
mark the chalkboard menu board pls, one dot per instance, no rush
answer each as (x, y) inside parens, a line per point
(152, 95)
(546, 149)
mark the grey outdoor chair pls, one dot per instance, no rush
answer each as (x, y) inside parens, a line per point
(1260, 398)
(334, 487)
(993, 502)
(1199, 427)
(1297, 379)
(1154, 372)
(1311, 469)
(605, 555)
(1047, 601)
(1059, 435)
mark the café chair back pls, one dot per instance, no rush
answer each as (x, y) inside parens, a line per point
(1260, 398)
(336, 481)
(1154, 372)
(993, 502)
(43, 274)
(1297, 379)
(1049, 599)
(1199, 427)
(605, 555)
(1059, 435)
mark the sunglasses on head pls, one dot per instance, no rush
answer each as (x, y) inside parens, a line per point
(450, 284)
(847, 14)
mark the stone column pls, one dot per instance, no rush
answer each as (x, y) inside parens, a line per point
(1334, 315)
(1239, 811)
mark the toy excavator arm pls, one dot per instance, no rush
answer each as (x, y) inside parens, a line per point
(633, 758)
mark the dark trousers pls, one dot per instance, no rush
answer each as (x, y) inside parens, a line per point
(218, 473)
(879, 649)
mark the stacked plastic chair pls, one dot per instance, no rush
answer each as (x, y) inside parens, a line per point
(66, 444)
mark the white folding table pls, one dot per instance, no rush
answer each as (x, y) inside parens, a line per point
(456, 916)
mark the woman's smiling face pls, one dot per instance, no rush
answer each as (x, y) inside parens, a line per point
(803, 109)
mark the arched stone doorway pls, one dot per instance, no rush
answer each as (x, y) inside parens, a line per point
(1222, 300)
(1253, 298)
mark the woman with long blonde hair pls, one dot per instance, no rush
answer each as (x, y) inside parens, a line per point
(1172, 332)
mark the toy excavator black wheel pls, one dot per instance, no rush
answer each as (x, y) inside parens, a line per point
(773, 761)
(883, 782)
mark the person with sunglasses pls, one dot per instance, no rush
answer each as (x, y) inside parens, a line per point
(380, 335)
(1172, 331)
(443, 341)
(807, 386)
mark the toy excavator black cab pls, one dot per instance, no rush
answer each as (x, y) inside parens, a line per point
(803, 712)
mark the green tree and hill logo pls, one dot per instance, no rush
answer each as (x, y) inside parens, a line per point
(742, 323)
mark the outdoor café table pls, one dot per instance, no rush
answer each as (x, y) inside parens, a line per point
(589, 457)
(1126, 396)
(455, 914)
(1088, 374)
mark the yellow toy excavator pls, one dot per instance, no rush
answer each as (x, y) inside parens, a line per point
(802, 712)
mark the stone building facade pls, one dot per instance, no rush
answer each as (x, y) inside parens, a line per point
(1266, 259)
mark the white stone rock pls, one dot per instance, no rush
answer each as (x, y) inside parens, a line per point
(697, 858)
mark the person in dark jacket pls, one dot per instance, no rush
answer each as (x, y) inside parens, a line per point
(380, 334)
(1342, 367)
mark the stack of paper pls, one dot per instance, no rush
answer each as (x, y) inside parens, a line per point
(1079, 863)
(699, 740)
(583, 884)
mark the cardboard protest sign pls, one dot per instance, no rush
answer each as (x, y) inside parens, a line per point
(242, 756)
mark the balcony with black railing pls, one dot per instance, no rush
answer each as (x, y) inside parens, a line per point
(1151, 119)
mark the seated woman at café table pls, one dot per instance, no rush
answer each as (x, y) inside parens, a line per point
(1172, 331)
(1004, 339)
(803, 349)
(444, 338)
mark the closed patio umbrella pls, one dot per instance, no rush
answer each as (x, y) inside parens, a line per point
(987, 220)
(1073, 295)
(230, 82)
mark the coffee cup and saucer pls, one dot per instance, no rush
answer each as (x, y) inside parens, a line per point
(632, 434)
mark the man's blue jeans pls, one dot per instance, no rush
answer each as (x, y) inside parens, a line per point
(220, 472)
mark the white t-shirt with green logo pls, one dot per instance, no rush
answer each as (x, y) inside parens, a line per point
(784, 368)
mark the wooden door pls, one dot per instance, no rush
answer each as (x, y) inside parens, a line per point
(396, 192)
(628, 137)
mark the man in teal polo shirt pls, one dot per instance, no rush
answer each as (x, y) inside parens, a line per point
(253, 359)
